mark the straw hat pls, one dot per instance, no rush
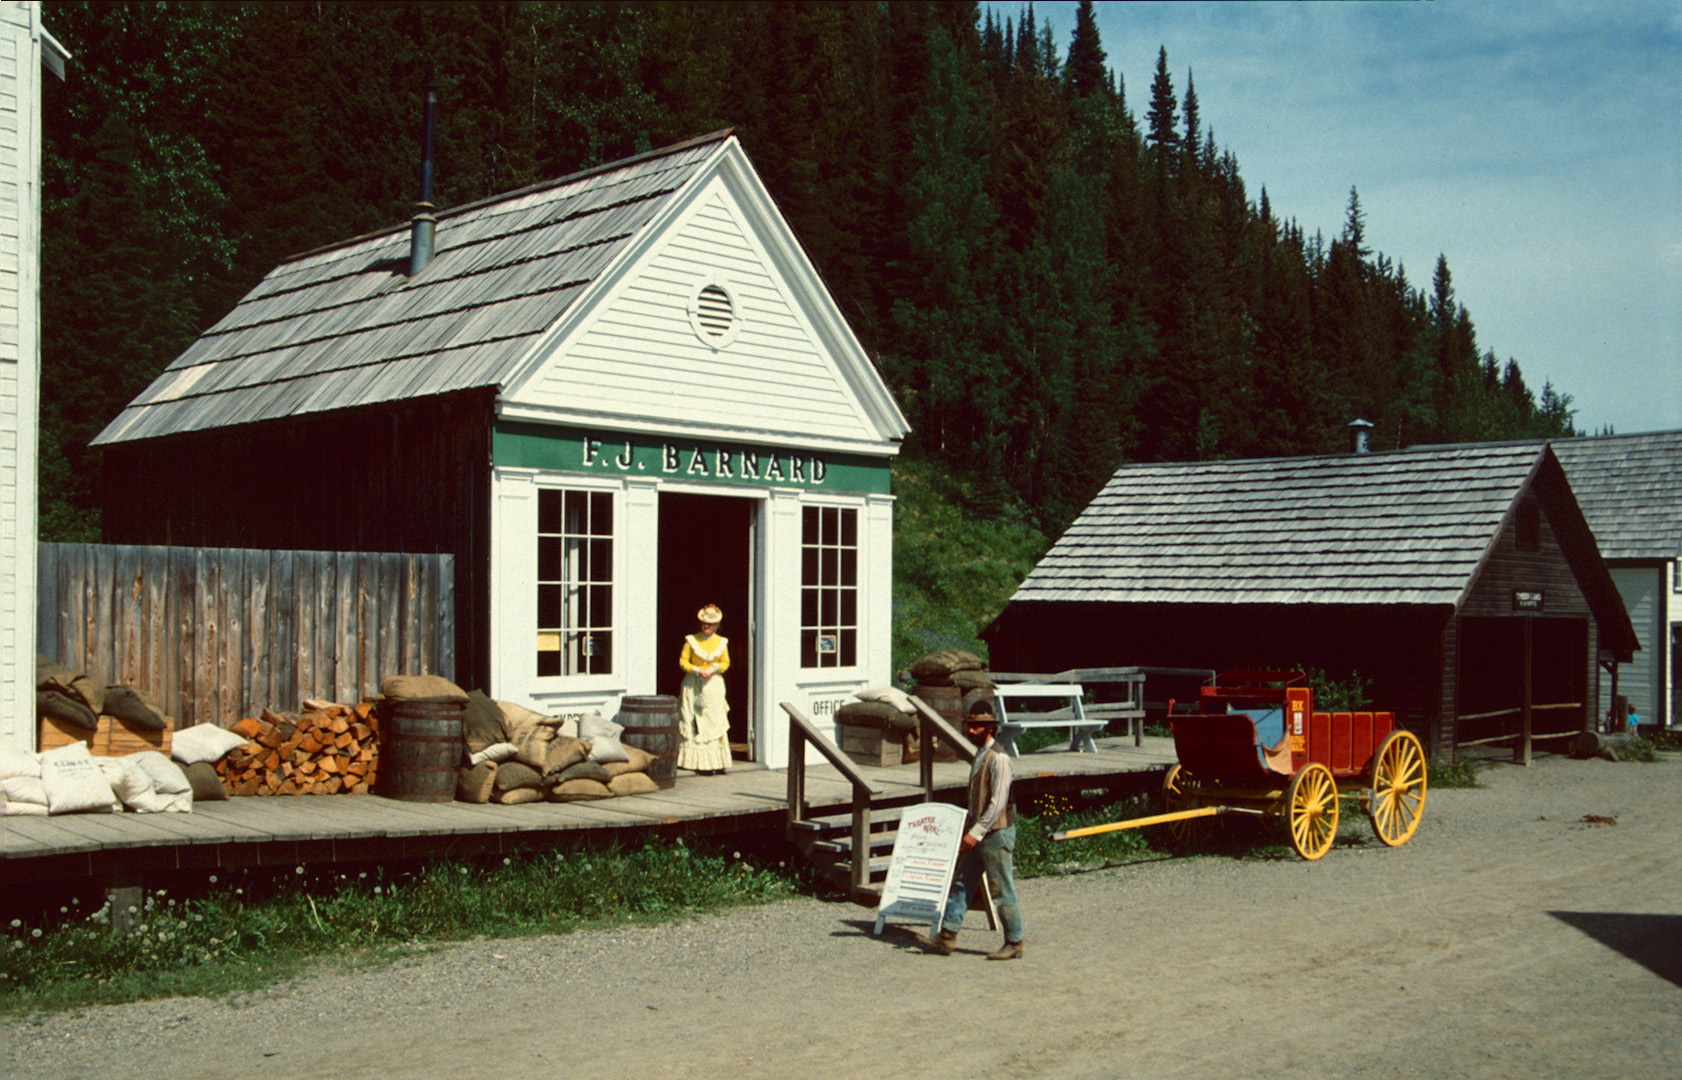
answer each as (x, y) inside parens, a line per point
(710, 614)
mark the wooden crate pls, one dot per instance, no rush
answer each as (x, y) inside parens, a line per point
(113, 737)
(872, 746)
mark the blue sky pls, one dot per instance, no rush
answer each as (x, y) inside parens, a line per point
(1537, 145)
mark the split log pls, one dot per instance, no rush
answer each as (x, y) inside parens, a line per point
(1591, 744)
(324, 750)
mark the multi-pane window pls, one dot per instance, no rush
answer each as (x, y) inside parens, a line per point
(829, 587)
(574, 582)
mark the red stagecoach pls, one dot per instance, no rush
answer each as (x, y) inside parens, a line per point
(1255, 745)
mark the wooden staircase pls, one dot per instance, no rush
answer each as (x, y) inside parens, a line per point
(854, 847)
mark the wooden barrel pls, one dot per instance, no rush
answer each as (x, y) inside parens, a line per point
(422, 755)
(949, 702)
(650, 724)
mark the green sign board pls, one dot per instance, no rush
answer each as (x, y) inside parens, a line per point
(539, 446)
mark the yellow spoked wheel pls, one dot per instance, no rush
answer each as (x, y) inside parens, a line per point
(1397, 799)
(1313, 808)
(1180, 791)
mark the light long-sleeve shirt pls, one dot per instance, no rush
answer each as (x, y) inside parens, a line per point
(989, 792)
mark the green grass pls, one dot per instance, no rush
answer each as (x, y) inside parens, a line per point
(245, 930)
(957, 561)
(1459, 773)
(1638, 749)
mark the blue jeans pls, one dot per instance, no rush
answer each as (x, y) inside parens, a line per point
(996, 857)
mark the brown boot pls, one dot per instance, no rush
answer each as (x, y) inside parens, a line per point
(942, 945)
(1012, 951)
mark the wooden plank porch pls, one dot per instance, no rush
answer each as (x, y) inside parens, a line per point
(310, 830)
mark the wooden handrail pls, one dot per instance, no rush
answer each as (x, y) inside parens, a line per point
(800, 732)
(798, 722)
(931, 726)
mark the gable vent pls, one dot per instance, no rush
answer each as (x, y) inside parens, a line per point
(713, 314)
(715, 311)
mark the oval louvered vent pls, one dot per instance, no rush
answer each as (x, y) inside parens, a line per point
(714, 310)
(714, 314)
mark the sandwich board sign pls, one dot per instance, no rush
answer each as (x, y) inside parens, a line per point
(925, 857)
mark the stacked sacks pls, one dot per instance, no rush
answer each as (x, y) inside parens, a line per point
(69, 779)
(949, 680)
(880, 728)
(515, 755)
(112, 720)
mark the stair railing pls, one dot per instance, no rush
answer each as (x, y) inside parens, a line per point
(931, 726)
(800, 732)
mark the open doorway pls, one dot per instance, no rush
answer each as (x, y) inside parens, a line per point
(706, 557)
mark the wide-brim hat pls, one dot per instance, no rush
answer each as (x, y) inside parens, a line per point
(709, 614)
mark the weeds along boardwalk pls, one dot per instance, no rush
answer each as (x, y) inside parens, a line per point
(124, 850)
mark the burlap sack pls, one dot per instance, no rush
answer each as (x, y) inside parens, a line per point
(972, 680)
(943, 662)
(476, 782)
(516, 774)
(61, 706)
(579, 791)
(639, 761)
(635, 783)
(517, 796)
(423, 690)
(135, 706)
(876, 714)
(564, 753)
(519, 716)
(207, 786)
(584, 770)
(891, 695)
(481, 723)
(70, 683)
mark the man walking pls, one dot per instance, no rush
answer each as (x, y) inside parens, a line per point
(989, 843)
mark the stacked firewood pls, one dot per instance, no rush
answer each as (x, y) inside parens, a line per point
(327, 749)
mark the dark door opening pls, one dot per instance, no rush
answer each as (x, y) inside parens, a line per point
(706, 557)
(1492, 674)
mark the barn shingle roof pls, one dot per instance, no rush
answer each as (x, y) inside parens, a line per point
(344, 326)
(1402, 527)
(1630, 489)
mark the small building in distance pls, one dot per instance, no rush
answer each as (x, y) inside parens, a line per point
(615, 397)
(1462, 582)
(1630, 489)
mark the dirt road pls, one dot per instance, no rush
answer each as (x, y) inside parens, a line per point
(1509, 939)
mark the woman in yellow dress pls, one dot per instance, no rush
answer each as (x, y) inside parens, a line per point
(705, 715)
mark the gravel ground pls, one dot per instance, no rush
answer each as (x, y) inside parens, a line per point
(1509, 938)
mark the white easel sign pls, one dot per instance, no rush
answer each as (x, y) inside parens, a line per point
(925, 855)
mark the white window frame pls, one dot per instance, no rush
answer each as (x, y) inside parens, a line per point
(565, 486)
(813, 629)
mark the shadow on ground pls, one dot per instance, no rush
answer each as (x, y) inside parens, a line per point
(1653, 941)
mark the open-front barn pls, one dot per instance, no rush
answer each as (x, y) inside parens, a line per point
(1462, 582)
(614, 398)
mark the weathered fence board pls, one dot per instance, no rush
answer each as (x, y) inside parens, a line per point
(220, 633)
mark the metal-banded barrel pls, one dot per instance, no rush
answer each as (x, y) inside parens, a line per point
(650, 723)
(422, 756)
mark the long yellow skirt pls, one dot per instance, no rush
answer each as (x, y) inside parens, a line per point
(704, 723)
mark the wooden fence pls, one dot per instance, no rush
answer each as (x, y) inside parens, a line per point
(220, 633)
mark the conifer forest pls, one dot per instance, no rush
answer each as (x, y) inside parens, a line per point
(1052, 262)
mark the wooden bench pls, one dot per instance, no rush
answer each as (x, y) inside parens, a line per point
(1071, 716)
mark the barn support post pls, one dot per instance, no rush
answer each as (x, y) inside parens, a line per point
(1521, 753)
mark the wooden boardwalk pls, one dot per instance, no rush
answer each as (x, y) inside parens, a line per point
(306, 830)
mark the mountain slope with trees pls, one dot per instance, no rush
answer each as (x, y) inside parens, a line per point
(1051, 283)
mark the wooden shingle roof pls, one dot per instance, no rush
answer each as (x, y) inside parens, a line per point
(344, 326)
(1402, 527)
(1630, 489)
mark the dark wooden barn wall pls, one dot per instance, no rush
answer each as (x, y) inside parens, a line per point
(412, 477)
(1545, 568)
(1397, 647)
